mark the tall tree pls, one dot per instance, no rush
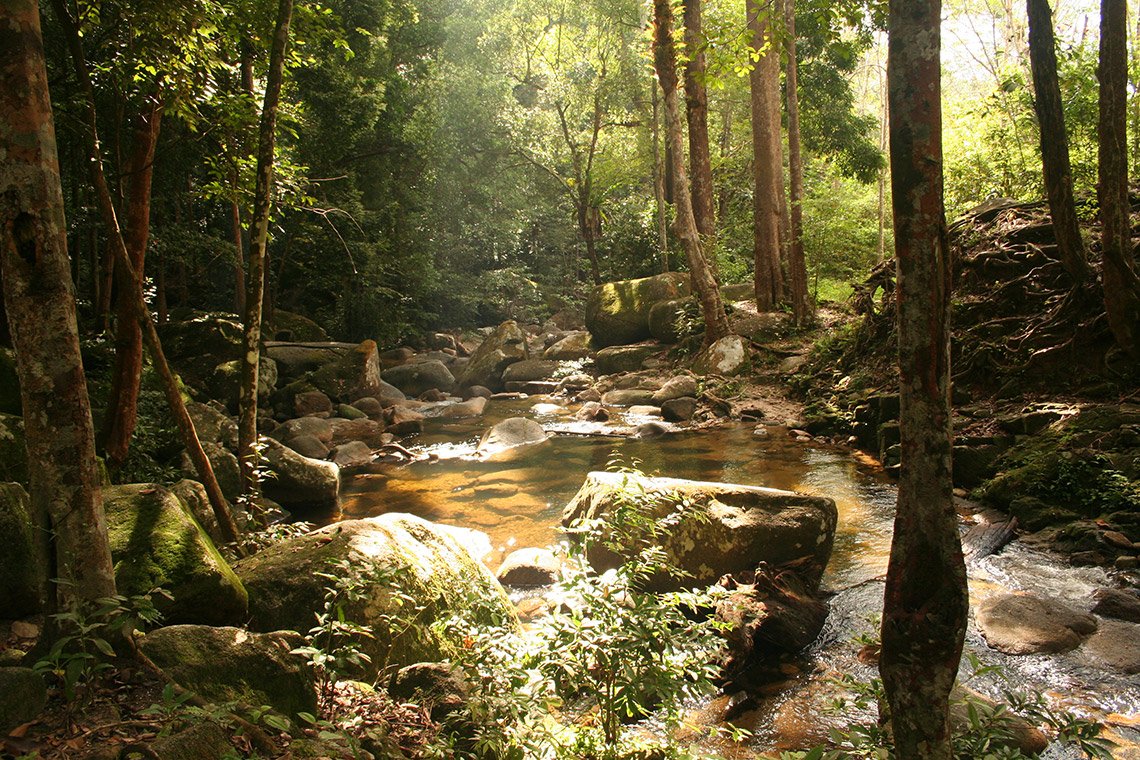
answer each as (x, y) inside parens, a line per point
(797, 267)
(696, 112)
(926, 602)
(39, 297)
(1118, 268)
(132, 282)
(767, 163)
(259, 237)
(684, 226)
(1054, 140)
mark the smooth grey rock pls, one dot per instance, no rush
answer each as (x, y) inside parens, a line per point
(299, 481)
(510, 433)
(676, 387)
(1026, 624)
(529, 567)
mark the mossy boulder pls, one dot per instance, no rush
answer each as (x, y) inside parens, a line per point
(155, 542)
(723, 528)
(673, 320)
(213, 425)
(502, 348)
(224, 382)
(225, 465)
(576, 345)
(195, 346)
(13, 449)
(424, 560)
(617, 313)
(623, 358)
(298, 327)
(295, 360)
(23, 561)
(234, 665)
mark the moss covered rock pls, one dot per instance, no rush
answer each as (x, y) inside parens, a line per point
(231, 664)
(155, 542)
(427, 564)
(224, 382)
(9, 383)
(298, 327)
(23, 561)
(23, 694)
(722, 528)
(195, 346)
(618, 312)
(352, 376)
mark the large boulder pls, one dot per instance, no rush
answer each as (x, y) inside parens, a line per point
(223, 462)
(623, 358)
(1027, 624)
(224, 382)
(726, 356)
(723, 528)
(502, 348)
(295, 360)
(414, 378)
(673, 321)
(618, 312)
(298, 327)
(354, 375)
(298, 481)
(195, 346)
(763, 327)
(23, 559)
(234, 665)
(530, 369)
(212, 425)
(576, 345)
(23, 694)
(155, 542)
(430, 566)
(678, 386)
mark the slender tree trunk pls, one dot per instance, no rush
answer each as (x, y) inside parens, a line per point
(659, 184)
(122, 406)
(797, 266)
(64, 483)
(696, 111)
(685, 226)
(170, 385)
(586, 226)
(1118, 273)
(884, 130)
(1054, 141)
(259, 236)
(767, 171)
(926, 602)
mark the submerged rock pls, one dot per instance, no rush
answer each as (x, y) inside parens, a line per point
(426, 562)
(722, 528)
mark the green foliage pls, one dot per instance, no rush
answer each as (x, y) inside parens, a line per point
(82, 649)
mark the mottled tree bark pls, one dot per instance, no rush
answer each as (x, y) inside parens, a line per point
(1118, 267)
(926, 602)
(259, 236)
(39, 297)
(696, 111)
(684, 226)
(122, 404)
(659, 184)
(1054, 141)
(797, 266)
(767, 169)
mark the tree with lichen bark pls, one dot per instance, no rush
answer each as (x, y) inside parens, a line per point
(767, 160)
(64, 481)
(926, 603)
(684, 226)
(259, 237)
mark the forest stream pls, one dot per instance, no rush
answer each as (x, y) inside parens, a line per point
(517, 502)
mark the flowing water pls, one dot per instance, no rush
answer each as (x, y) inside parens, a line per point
(517, 501)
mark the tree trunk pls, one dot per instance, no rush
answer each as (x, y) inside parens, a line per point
(797, 267)
(685, 226)
(696, 111)
(586, 226)
(1054, 141)
(926, 603)
(767, 172)
(259, 235)
(64, 483)
(122, 405)
(1118, 273)
(659, 185)
(170, 386)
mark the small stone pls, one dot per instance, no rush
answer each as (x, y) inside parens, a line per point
(309, 403)
(1087, 558)
(590, 394)
(25, 630)
(679, 409)
(592, 411)
(1118, 604)
(529, 567)
(1126, 563)
(796, 433)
